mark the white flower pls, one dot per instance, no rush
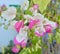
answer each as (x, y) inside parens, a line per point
(9, 14)
(12, 23)
(22, 35)
(35, 16)
(48, 22)
(38, 16)
(24, 4)
(53, 24)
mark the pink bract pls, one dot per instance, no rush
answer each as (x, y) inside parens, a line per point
(40, 34)
(16, 42)
(18, 25)
(32, 23)
(48, 28)
(15, 49)
(23, 44)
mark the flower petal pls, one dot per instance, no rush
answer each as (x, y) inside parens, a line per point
(9, 14)
(15, 49)
(19, 25)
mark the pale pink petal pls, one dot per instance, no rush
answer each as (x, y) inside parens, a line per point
(35, 6)
(15, 49)
(15, 41)
(23, 44)
(18, 25)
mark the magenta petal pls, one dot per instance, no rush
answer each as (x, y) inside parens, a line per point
(48, 29)
(32, 23)
(15, 41)
(15, 49)
(18, 25)
(23, 44)
(40, 34)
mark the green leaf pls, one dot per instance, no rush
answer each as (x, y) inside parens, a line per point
(58, 37)
(58, 19)
(23, 51)
(42, 4)
(28, 12)
(35, 40)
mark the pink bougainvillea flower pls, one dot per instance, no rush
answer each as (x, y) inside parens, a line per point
(15, 41)
(18, 42)
(15, 49)
(40, 34)
(19, 25)
(32, 23)
(23, 44)
(48, 28)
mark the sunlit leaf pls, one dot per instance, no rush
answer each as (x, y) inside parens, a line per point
(42, 4)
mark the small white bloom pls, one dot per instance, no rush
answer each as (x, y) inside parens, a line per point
(13, 23)
(9, 14)
(24, 4)
(38, 16)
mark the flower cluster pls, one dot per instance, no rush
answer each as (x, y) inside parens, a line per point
(36, 21)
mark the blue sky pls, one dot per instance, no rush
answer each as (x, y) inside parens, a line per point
(7, 35)
(7, 2)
